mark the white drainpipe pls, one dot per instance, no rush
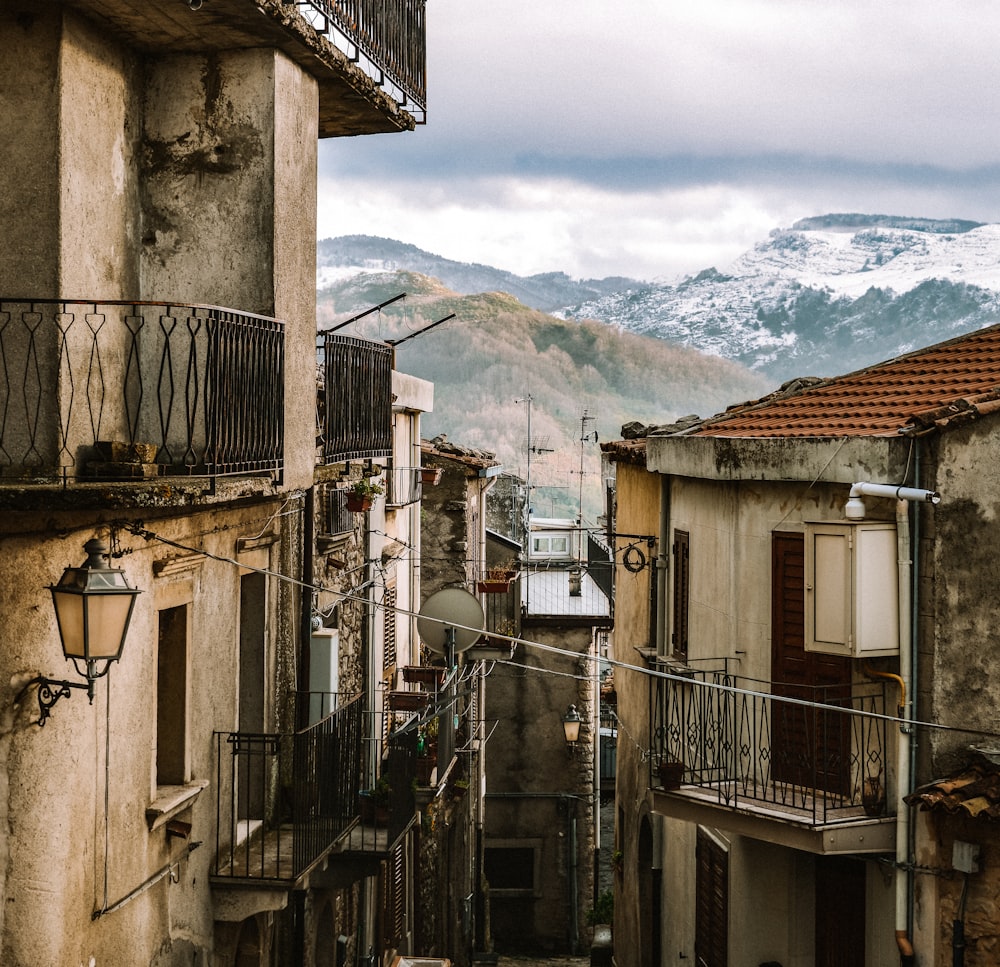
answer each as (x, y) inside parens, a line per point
(855, 510)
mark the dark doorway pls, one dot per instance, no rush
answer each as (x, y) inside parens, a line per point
(840, 912)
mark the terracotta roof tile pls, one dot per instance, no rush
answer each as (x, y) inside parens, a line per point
(954, 380)
(974, 791)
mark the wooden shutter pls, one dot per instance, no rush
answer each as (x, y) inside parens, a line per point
(389, 630)
(682, 592)
(711, 902)
(394, 896)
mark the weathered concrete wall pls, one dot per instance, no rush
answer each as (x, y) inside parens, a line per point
(638, 513)
(538, 791)
(229, 205)
(55, 777)
(68, 184)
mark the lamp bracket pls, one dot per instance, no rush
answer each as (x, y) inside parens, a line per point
(50, 691)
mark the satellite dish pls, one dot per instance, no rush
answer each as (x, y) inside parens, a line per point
(450, 609)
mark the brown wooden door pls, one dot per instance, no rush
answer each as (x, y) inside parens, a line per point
(811, 747)
(840, 912)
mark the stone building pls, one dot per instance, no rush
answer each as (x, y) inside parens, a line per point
(813, 658)
(543, 793)
(451, 908)
(159, 343)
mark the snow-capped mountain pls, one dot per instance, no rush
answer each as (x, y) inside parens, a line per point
(828, 295)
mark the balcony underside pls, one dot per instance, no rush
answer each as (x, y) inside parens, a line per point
(350, 102)
(772, 822)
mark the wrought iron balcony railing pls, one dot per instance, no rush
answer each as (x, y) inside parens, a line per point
(130, 390)
(354, 406)
(284, 800)
(388, 38)
(817, 755)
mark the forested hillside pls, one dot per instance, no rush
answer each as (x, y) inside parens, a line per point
(496, 351)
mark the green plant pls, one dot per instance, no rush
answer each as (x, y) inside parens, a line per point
(366, 487)
(381, 791)
(604, 910)
(504, 571)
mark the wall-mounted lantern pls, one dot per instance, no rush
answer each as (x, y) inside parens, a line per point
(93, 606)
(571, 728)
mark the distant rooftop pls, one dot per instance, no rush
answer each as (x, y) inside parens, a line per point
(545, 594)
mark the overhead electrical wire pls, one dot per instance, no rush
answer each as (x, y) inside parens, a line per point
(353, 594)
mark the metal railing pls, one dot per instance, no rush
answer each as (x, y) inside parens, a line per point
(284, 799)
(354, 405)
(817, 753)
(387, 35)
(115, 390)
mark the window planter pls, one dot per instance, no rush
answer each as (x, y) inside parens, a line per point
(357, 504)
(493, 587)
(408, 701)
(432, 675)
(430, 476)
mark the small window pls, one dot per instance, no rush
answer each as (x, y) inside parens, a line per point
(682, 592)
(171, 697)
(512, 869)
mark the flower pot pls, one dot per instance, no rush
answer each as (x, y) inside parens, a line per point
(358, 504)
(428, 675)
(671, 773)
(493, 587)
(430, 476)
(424, 771)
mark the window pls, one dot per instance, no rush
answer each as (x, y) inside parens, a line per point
(171, 696)
(682, 593)
(512, 867)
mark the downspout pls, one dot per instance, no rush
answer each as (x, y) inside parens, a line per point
(574, 890)
(904, 765)
(907, 578)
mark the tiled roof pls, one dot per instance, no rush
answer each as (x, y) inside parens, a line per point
(957, 379)
(975, 791)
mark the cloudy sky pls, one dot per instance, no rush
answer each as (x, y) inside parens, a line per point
(652, 138)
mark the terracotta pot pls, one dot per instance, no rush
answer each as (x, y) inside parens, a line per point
(493, 587)
(357, 504)
(430, 476)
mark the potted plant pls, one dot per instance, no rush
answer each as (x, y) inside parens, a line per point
(498, 578)
(375, 803)
(361, 494)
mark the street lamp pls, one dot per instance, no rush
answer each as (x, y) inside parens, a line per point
(571, 727)
(93, 605)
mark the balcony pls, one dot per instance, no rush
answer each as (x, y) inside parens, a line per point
(369, 57)
(286, 802)
(283, 801)
(354, 405)
(127, 390)
(807, 768)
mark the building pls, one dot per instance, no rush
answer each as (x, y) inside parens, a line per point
(453, 910)
(159, 328)
(803, 614)
(543, 791)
